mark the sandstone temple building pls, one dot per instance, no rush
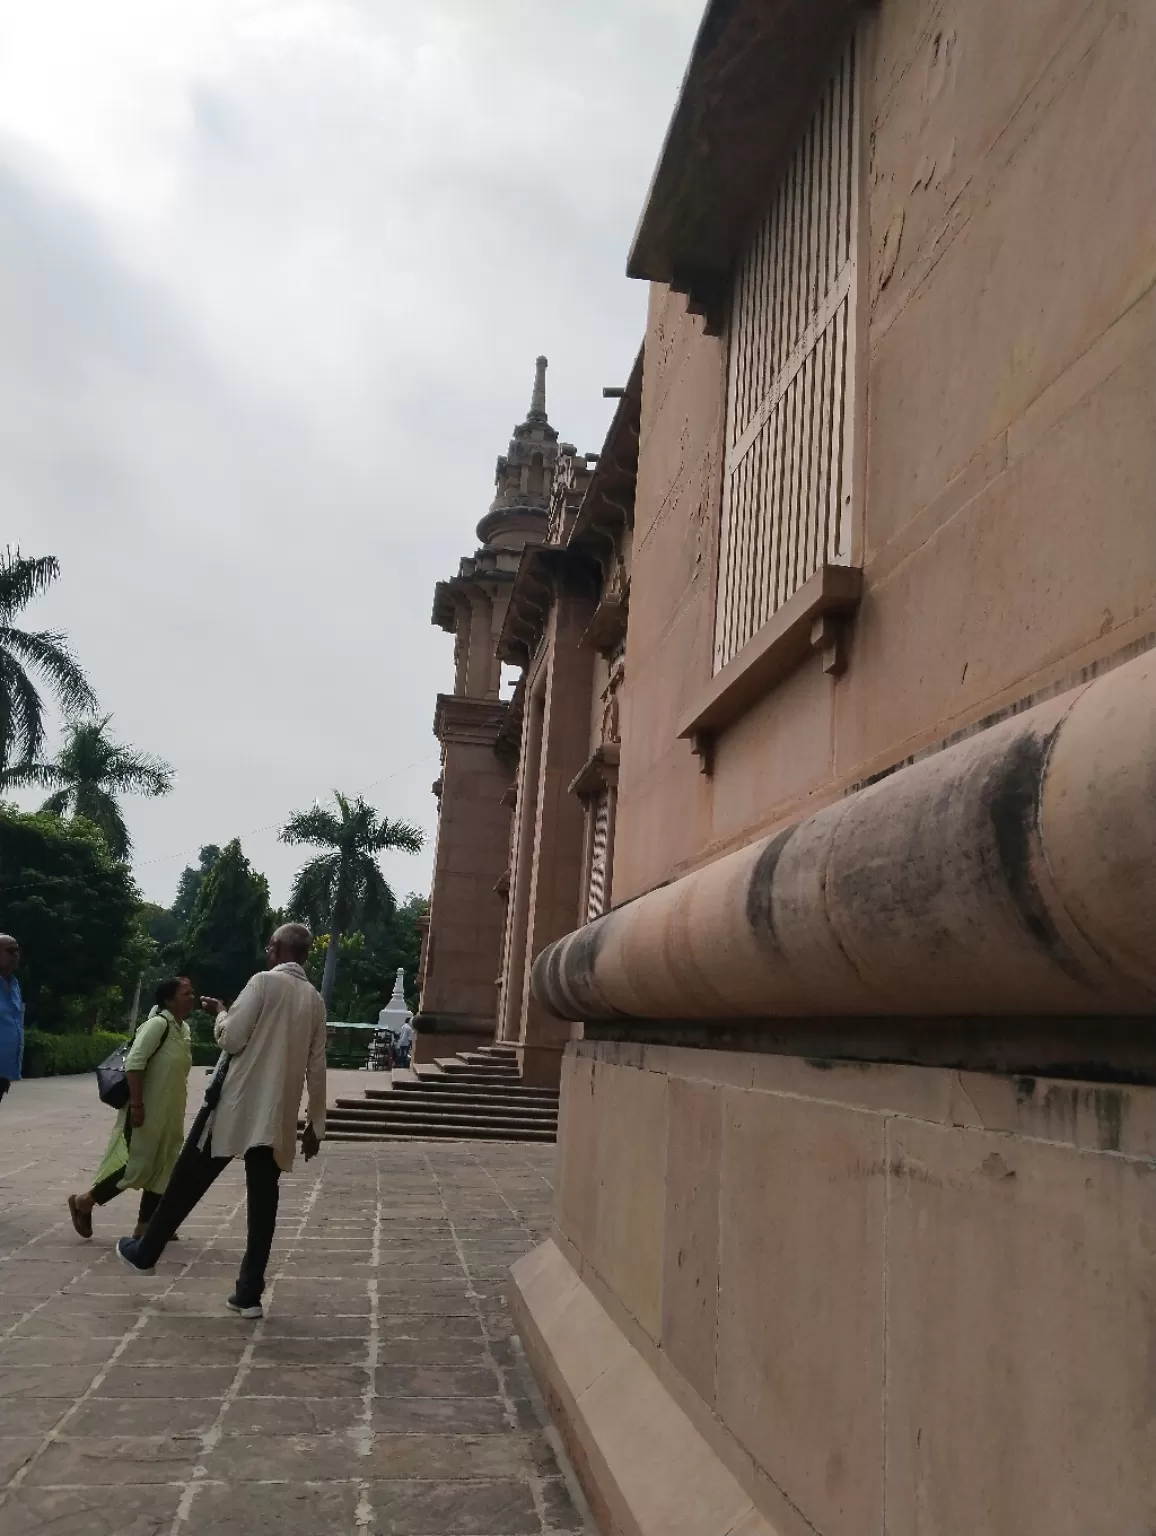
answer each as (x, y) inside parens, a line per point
(814, 851)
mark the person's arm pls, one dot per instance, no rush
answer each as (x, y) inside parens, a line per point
(235, 1025)
(315, 1079)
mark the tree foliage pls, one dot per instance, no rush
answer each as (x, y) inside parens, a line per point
(369, 960)
(72, 906)
(228, 927)
(190, 883)
(90, 772)
(27, 655)
(343, 888)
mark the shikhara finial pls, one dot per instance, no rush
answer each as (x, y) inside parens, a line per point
(538, 398)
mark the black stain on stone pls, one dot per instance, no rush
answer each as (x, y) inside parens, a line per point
(760, 894)
(1013, 803)
(564, 975)
(1108, 1104)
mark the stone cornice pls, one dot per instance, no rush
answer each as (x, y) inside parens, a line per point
(599, 772)
(472, 722)
(755, 72)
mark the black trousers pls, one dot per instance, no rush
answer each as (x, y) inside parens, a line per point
(191, 1179)
(5, 1084)
(109, 1188)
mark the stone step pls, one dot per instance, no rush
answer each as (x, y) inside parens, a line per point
(461, 1125)
(418, 1105)
(444, 1135)
(504, 1095)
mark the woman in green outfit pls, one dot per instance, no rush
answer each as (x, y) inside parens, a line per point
(150, 1129)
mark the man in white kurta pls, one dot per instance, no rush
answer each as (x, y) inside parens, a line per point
(274, 1035)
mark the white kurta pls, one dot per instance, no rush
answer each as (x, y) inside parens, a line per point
(275, 1032)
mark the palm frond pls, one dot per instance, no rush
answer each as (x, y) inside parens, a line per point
(24, 775)
(316, 825)
(47, 652)
(23, 577)
(21, 713)
(57, 804)
(401, 836)
(312, 896)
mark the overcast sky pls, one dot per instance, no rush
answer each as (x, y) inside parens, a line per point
(273, 275)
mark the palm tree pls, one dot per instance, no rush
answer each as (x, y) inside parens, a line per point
(24, 651)
(89, 773)
(340, 888)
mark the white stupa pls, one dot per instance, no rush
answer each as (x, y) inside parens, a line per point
(395, 1013)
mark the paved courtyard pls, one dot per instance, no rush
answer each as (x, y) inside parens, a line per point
(383, 1392)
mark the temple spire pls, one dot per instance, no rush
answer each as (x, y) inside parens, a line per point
(537, 411)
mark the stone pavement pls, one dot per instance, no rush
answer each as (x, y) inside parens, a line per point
(384, 1391)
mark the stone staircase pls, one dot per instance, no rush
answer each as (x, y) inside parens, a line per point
(477, 1096)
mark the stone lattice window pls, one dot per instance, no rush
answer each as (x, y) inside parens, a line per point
(599, 857)
(787, 489)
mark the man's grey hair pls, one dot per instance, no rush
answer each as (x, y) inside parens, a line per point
(294, 937)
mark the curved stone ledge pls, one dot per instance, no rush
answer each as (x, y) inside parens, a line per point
(1012, 873)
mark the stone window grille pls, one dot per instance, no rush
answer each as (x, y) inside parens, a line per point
(599, 856)
(791, 421)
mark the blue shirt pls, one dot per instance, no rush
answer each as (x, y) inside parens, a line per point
(11, 1028)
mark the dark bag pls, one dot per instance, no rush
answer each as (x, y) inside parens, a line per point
(111, 1077)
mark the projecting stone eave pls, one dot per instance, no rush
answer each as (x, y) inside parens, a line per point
(754, 73)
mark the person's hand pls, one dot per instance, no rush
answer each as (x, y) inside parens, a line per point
(310, 1145)
(212, 1005)
(136, 1115)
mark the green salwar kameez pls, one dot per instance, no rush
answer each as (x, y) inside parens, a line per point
(148, 1155)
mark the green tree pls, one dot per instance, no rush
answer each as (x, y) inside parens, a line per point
(90, 771)
(338, 890)
(369, 960)
(26, 654)
(229, 926)
(191, 881)
(73, 908)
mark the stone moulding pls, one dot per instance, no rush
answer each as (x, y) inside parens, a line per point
(644, 1465)
(808, 621)
(1013, 873)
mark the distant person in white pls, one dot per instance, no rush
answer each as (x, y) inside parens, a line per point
(275, 1035)
(405, 1043)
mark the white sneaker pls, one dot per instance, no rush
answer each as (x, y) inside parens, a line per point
(251, 1313)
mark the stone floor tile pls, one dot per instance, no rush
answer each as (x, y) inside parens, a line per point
(274, 1349)
(427, 1325)
(143, 1381)
(18, 1353)
(562, 1513)
(293, 1416)
(107, 1416)
(304, 1381)
(91, 1461)
(273, 1509)
(281, 1457)
(466, 1509)
(470, 1350)
(152, 1347)
(53, 1381)
(121, 1511)
(436, 1381)
(448, 1457)
(15, 1450)
(291, 1325)
(440, 1415)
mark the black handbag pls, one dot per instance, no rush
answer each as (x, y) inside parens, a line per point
(111, 1077)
